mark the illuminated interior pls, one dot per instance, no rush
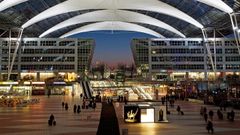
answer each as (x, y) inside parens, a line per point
(147, 115)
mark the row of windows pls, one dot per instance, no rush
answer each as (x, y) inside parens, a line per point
(47, 59)
(142, 51)
(83, 59)
(183, 67)
(85, 42)
(159, 43)
(87, 51)
(183, 43)
(230, 43)
(232, 66)
(48, 43)
(178, 59)
(47, 67)
(82, 68)
(231, 51)
(48, 51)
(217, 43)
(29, 43)
(218, 51)
(177, 43)
(185, 59)
(6, 59)
(5, 51)
(217, 67)
(173, 51)
(192, 51)
(5, 67)
(142, 59)
(5, 43)
(195, 43)
(236, 58)
(67, 43)
(175, 67)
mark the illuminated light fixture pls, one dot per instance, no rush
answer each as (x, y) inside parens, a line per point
(146, 5)
(5, 4)
(115, 26)
(112, 15)
(219, 4)
(9, 83)
(38, 82)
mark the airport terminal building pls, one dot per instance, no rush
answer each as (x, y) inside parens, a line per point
(185, 58)
(41, 58)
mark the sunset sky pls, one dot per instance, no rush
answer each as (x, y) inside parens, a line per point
(113, 47)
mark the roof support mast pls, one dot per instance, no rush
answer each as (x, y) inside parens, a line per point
(18, 43)
(206, 43)
(236, 31)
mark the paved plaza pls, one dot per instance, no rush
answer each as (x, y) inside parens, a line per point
(32, 120)
(191, 123)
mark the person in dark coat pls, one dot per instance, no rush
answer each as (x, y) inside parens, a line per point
(205, 117)
(51, 120)
(232, 115)
(210, 127)
(210, 113)
(220, 115)
(179, 109)
(94, 105)
(204, 110)
(78, 109)
(63, 104)
(66, 106)
(75, 108)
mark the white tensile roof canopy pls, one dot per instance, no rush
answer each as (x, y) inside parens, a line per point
(115, 11)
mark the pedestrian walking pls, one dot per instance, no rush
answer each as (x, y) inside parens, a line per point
(75, 108)
(66, 106)
(211, 113)
(179, 109)
(51, 120)
(78, 109)
(220, 115)
(205, 117)
(210, 127)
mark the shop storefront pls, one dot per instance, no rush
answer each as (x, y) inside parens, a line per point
(14, 89)
(60, 88)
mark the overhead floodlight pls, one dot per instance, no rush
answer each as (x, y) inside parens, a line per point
(219, 4)
(112, 15)
(5, 4)
(147, 5)
(113, 26)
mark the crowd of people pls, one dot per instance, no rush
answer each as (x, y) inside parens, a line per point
(208, 117)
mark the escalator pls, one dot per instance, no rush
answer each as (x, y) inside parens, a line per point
(89, 90)
(84, 89)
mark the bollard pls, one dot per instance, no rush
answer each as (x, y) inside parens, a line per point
(124, 131)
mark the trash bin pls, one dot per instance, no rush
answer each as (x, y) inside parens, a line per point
(124, 131)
